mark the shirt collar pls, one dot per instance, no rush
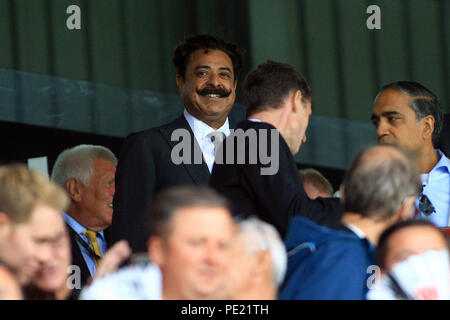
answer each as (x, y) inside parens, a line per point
(442, 167)
(356, 230)
(201, 129)
(75, 225)
(443, 162)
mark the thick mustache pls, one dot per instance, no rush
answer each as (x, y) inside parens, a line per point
(219, 91)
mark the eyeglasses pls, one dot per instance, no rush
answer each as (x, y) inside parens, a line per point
(425, 205)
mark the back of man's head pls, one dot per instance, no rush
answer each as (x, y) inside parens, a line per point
(269, 84)
(205, 41)
(21, 190)
(78, 163)
(423, 103)
(378, 181)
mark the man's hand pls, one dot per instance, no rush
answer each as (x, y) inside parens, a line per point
(112, 259)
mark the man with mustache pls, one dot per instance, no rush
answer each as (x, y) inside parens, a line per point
(409, 115)
(206, 77)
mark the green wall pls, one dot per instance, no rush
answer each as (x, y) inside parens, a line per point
(130, 43)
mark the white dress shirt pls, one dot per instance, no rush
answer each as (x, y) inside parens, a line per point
(201, 130)
(436, 186)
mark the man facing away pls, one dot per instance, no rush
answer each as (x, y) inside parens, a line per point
(379, 189)
(207, 69)
(255, 167)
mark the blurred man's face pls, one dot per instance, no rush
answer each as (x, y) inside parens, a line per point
(196, 255)
(209, 87)
(25, 245)
(395, 121)
(97, 197)
(52, 273)
(410, 241)
(242, 268)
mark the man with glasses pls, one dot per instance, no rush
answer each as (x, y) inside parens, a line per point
(409, 115)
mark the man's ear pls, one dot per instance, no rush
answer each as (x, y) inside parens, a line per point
(341, 194)
(406, 209)
(296, 101)
(4, 223)
(74, 189)
(155, 250)
(180, 83)
(428, 127)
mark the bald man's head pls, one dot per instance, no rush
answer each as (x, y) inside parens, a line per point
(379, 180)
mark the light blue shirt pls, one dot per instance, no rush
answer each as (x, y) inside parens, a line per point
(78, 228)
(201, 130)
(436, 186)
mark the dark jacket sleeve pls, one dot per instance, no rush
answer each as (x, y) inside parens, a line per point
(281, 196)
(135, 184)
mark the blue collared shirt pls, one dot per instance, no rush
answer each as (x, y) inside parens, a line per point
(78, 228)
(201, 130)
(436, 186)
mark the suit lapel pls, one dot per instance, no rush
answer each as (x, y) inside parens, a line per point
(77, 258)
(198, 172)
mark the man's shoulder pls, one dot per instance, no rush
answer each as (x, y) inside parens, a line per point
(248, 124)
(177, 123)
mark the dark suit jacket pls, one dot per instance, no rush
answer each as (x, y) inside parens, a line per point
(144, 168)
(273, 198)
(78, 260)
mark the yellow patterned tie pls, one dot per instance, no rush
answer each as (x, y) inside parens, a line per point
(92, 237)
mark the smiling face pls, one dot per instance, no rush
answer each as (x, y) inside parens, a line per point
(395, 121)
(51, 274)
(195, 256)
(26, 246)
(209, 86)
(96, 198)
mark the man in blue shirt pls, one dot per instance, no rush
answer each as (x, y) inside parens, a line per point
(87, 172)
(379, 190)
(409, 115)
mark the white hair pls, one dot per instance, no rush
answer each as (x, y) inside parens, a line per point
(263, 236)
(77, 163)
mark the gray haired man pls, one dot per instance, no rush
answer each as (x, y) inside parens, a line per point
(87, 173)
